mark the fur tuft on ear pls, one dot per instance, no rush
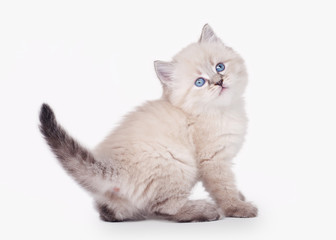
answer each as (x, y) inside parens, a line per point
(164, 71)
(208, 35)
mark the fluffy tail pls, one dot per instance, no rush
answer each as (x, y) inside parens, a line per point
(75, 159)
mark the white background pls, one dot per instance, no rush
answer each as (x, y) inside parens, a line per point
(92, 61)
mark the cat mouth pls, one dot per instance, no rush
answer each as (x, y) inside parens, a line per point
(223, 89)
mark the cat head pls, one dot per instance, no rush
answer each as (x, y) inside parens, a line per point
(203, 76)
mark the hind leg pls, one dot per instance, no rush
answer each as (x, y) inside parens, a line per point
(184, 210)
(114, 212)
(107, 214)
(197, 211)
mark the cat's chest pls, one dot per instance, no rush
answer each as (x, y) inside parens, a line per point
(214, 133)
(215, 127)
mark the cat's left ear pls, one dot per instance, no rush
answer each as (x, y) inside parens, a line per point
(164, 71)
(208, 35)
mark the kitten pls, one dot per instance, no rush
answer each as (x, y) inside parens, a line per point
(148, 165)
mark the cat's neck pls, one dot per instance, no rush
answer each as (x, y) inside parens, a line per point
(236, 107)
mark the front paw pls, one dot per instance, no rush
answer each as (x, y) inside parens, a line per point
(240, 209)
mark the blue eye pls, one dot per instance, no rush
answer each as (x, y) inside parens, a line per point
(199, 82)
(220, 67)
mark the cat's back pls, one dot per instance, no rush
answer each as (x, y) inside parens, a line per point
(153, 123)
(153, 119)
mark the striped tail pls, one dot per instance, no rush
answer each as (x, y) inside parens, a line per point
(74, 158)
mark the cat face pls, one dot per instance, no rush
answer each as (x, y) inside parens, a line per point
(205, 75)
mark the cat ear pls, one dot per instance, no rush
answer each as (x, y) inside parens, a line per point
(164, 71)
(208, 35)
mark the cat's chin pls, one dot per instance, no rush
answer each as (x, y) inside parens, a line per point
(225, 98)
(223, 90)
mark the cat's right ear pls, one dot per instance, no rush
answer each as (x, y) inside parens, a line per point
(164, 71)
(208, 35)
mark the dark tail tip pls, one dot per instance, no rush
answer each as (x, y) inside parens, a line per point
(48, 121)
(47, 116)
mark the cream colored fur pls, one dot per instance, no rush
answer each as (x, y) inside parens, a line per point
(164, 147)
(148, 165)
